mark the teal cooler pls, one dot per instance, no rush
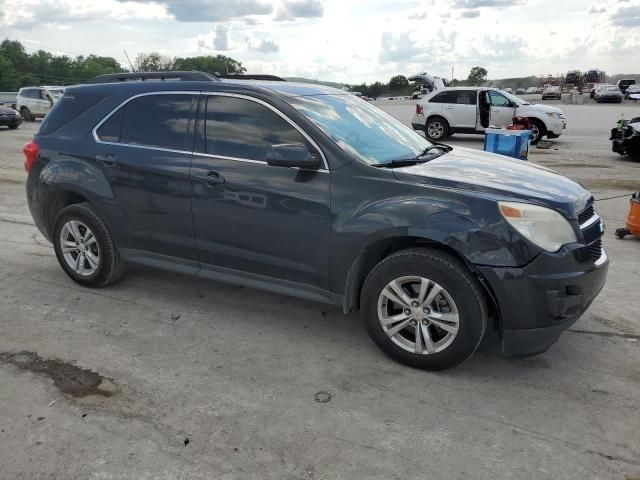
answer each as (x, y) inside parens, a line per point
(512, 143)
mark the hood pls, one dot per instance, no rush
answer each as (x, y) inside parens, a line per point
(5, 110)
(500, 177)
(542, 108)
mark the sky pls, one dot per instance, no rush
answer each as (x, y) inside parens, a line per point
(350, 41)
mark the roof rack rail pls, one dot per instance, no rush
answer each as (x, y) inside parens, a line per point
(144, 76)
(273, 78)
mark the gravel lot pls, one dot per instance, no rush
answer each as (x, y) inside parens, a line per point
(188, 379)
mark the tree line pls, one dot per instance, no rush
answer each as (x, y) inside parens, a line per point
(19, 68)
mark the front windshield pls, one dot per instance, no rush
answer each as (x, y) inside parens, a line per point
(361, 129)
(513, 98)
(613, 89)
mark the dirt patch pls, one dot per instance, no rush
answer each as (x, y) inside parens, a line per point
(70, 379)
(611, 184)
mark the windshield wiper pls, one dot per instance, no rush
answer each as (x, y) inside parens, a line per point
(421, 158)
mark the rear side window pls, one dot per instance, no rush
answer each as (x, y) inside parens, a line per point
(445, 97)
(240, 128)
(68, 109)
(466, 97)
(158, 121)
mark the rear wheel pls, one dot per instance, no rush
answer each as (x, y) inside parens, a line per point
(26, 114)
(437, 128)
(84, 247)
(423, 308)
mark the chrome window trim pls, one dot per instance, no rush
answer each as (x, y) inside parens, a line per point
(146, 94)
(222, 94)
(594, 218)
(277, 112)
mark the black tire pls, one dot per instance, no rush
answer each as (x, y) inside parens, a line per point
(110, 267)
(439, 128)
(542, 131)
(459, 283)
(13, 127)
(26, 114)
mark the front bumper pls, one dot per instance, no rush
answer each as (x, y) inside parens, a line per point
(538, 302)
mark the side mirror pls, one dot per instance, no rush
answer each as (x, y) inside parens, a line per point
(292, 155)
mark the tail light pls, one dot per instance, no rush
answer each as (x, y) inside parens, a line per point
(30, 150)
(419, 109)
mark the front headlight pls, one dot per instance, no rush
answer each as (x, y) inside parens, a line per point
(543, 226)
(554, 114)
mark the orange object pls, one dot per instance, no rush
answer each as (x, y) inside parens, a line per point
(633, 218)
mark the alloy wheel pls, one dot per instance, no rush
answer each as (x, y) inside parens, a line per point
(79, 248)
(436, 129)
(418, 315)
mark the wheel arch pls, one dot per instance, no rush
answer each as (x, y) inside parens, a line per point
(370, 256)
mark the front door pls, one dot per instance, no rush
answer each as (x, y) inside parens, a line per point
(251, 217)
(144, 150)
(502, 109)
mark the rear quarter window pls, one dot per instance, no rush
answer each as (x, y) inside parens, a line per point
(445, 97)
(67, 109)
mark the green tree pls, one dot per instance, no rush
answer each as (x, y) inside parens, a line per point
(477, 76)
(216, 65)
(153, 62)
(399, 82)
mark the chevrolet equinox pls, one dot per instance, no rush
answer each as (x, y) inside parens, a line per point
(308, 191)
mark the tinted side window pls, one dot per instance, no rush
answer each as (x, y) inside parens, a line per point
(157, 121)
(445, 97)
(109, 131)
(466, 97)
(240, 128)
(498, 100)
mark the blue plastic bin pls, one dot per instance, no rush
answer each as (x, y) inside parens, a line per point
(512, 143)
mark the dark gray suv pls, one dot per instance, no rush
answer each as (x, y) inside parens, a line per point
(308, 191)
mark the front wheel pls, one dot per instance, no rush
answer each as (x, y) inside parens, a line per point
(423, 308)
(538, 131)
(84, 247)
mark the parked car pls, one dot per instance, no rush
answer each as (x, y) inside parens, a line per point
(532, 90)
(608, 93)
(508, 90)
(624, 84)
(632, 92)
(551, 92)
(521, 91)
(35, 102)
(473, 109)
(308, 191)
(592, 92)
(9, 117)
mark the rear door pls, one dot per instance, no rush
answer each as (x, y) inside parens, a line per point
(144, 149)
(463, 111)
(251, 217)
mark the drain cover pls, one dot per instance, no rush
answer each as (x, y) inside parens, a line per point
(322, 397)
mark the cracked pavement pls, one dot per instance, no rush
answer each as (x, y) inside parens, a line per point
(208, 380)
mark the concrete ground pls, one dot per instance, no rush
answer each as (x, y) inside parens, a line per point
(163, 376)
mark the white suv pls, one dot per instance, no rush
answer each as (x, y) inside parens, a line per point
(35, 102)
(473, 109)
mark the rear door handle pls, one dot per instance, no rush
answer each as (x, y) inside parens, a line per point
(211, 178)
(108, 160)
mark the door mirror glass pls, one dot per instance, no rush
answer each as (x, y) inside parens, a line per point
(292, 155)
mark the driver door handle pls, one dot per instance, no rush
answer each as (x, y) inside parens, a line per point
(211, 178)
(108, 159)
